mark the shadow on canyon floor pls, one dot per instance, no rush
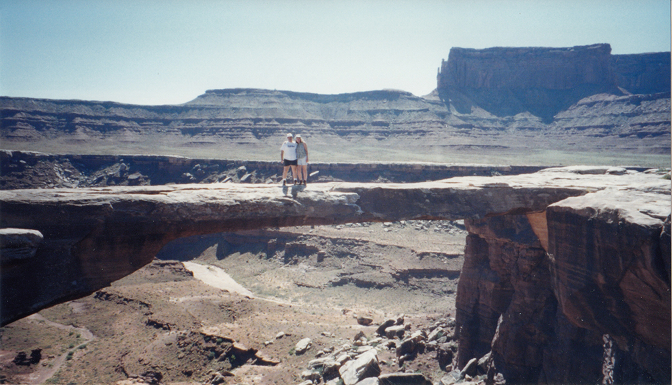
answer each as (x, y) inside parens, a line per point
(162, 324)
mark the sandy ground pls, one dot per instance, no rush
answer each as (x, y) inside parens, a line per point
(216, 277)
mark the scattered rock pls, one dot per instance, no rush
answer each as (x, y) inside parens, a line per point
(366, 365)
(381, 329)
(303, 346)
(395, 331)
(470, 368)
(365, 321)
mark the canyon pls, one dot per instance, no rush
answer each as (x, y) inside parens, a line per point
(556, 263)
(551, 106)
(564, 275)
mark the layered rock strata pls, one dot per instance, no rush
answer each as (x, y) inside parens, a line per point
(558, 265)
(547, 307)
(544, 81)
(21, 169)
(494, 99)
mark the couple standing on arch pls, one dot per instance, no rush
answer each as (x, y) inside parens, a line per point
(294, 155)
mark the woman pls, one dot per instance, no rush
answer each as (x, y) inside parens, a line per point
(302, 159)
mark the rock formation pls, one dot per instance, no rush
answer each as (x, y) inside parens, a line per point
(642, 73)
(557, 262)
(572, 99)
(545, 81)
(546, 307)
(20, 169)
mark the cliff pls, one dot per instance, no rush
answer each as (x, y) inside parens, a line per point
(488, 102)
(21, 170)
(545, 81)
(580, 301)
(646, 73)
(563, 267)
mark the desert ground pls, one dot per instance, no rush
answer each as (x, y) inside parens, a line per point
(230, 308)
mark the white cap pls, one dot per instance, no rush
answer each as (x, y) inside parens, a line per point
(298, 136)
(289, 135)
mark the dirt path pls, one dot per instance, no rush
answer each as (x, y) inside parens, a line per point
(44, 373)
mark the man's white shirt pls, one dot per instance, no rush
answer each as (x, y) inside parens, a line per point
(289, 149)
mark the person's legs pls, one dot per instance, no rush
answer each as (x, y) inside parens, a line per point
(295, 174)
(284, 174)
(302, 173)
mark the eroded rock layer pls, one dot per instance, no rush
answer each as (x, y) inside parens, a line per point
(572, 99)
(543, 81)
(547, 311)
(561, 265)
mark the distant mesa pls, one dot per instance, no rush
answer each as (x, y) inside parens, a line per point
(517, 99)
(545, 81)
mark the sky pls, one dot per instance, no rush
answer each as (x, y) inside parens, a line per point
(156, 52)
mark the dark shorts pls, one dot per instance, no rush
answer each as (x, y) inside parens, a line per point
(290, 162)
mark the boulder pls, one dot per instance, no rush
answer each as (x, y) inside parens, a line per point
(435, 334)
(369, 381)
(407, 346)
(395, 331)
(364, 366)
(387, 323)
(310, 375)
(303, 346)
(444, 355)
(17, 244)
(470, 369)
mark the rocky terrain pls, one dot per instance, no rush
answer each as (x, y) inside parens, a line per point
(538, 292)
(20, 169)
(335, 285)
(388, 268)
(523, 106)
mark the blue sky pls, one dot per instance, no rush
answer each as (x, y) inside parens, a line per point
(169, 52)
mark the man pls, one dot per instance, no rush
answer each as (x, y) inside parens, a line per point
(288, 157)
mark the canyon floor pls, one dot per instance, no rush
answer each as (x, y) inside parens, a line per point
(168, 324)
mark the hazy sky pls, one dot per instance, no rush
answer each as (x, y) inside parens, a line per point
(169, 52)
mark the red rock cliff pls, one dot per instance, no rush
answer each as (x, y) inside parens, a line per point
(575, 294)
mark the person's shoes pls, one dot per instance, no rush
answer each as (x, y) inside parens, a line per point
(284, 182)
(296, 181)
(305, 183)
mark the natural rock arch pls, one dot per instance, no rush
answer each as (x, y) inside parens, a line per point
(577, 219)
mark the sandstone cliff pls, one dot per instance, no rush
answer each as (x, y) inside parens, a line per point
(551, 310)
(545, 81)
(642, 73)
(488, 103)
(563, 267)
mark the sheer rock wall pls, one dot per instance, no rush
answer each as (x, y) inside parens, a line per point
(506, 81)
(547, 310)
